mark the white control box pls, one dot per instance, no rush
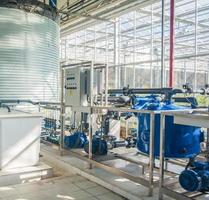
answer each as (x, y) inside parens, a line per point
(77, 86)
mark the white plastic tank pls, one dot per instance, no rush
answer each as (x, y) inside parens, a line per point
(29, 51)
(19, 139)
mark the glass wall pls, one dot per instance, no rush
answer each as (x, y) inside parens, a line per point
(131, 45)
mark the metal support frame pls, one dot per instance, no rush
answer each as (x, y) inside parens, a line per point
(151, 153)
(151, 48)
(92, 65)
(162, 144)
(116, 53)
(134, 51)
(62, 113)
(196, 47)
(179, 117)
(95, 44)
(91, 109)
(197, 118)
(90, 138)
(91, 113)
(119, 57)
(148, 183)
(76, 47)
(106, 84)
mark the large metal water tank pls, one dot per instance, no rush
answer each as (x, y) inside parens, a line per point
(29, 51)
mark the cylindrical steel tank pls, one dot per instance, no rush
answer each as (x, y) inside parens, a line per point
(29, 51)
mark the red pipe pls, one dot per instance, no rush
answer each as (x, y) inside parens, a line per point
(172, 41)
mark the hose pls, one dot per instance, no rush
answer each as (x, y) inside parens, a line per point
(190, 163)
(5, 106)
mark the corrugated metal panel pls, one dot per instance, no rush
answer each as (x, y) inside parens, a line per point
(29, 56)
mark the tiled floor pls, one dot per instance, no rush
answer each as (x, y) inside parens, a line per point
(117, 184)
(72, 187)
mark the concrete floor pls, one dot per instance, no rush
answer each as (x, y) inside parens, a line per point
(72, 187)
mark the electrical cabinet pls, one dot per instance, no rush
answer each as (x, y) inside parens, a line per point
(77, 86)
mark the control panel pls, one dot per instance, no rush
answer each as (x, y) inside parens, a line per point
(77, 85)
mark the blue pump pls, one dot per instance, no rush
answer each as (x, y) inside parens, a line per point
(196, 178)
(180, 141)
(76, 140)
(99, 146)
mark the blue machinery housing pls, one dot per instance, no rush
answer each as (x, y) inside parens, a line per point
(196, 178)
(180, 141)
(99, 146)
(75, 141)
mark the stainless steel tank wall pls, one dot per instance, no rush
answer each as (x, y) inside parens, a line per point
(29, 56)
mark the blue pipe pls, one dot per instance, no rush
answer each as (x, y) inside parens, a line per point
(53, 3)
